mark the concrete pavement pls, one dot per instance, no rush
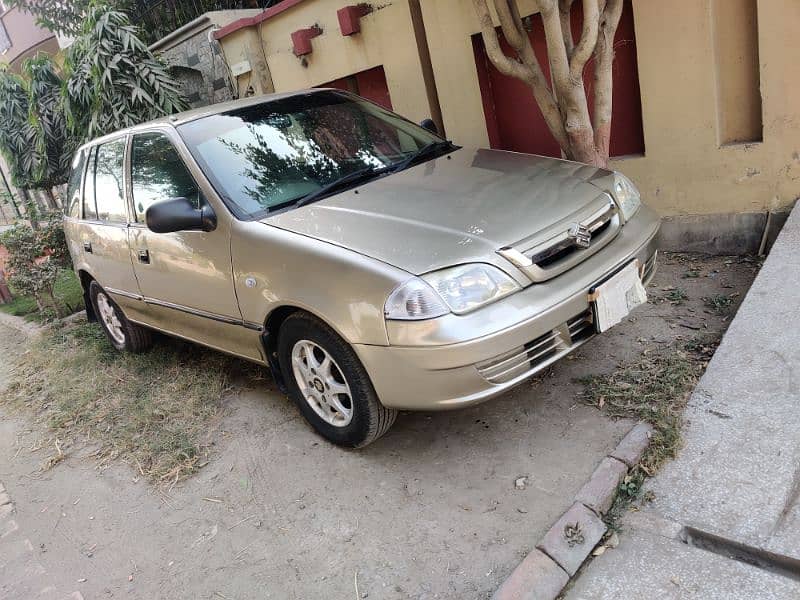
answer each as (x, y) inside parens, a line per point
(736, 482)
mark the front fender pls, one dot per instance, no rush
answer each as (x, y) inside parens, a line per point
(274, 268)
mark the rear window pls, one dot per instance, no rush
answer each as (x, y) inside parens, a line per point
(73, 208)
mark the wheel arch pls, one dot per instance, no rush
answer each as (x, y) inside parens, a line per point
(271, 332)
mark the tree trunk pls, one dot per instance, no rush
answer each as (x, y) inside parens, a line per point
(52, 203)
(5, 293)
(563, 102)
(55, 304)
(31, 210)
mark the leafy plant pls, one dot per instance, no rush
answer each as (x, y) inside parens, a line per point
(36, 257)
(112, 79)
(16, 133)
(677, 296)
(719, 304)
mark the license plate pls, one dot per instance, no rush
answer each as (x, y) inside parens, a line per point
(614, 298)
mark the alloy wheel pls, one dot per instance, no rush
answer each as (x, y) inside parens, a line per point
(322, 383)
(109, 316)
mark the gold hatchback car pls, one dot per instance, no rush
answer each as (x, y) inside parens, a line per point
(371, 264)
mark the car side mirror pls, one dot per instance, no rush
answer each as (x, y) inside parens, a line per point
(178, 214)
(429, 125)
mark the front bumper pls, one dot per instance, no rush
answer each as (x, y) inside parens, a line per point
(456, 361)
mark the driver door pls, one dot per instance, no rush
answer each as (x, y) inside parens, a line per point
(185, 277)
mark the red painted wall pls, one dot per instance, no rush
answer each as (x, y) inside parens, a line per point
(513, 119)
(371, 84)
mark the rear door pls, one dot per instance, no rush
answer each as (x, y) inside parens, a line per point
(103, 231)
(185, 277)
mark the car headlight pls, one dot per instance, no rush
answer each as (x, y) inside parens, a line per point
(626, 195)
(456, 289)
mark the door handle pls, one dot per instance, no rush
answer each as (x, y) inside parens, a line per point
(144, 256)
(87, 246)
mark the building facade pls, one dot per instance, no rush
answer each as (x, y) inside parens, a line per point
(704, 117)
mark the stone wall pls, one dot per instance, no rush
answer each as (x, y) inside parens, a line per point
(195, 58)
(200, 68)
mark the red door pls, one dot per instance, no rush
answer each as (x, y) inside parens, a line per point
(513, 119)
(370, 84)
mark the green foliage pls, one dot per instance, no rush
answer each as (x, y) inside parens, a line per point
(67, 291)
(33, 130)
(36, 257)
(52, 150)
(16, 133)
(59, 16)
(112, 79)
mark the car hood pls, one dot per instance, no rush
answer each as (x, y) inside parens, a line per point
(455, 209)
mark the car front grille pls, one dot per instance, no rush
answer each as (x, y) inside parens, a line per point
(537, 354)
(567, 243)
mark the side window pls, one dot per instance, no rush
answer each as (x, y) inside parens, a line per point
(89, 208)
(108, 183)
(73, 207)
(158, 173)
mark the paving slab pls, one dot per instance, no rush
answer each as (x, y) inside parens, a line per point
(738, 474)
(648, 565)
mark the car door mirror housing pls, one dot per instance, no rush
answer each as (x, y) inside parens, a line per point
(429, 125)
(178, 214)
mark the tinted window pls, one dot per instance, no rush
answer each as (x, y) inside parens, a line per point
(73, 208)
(158, 173)
(89, 208)
(108, 182)
(266, 156)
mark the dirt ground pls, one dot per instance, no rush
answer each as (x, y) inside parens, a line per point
(429, 511)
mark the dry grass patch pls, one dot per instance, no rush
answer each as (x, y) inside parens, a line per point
(653, 388)
(154, 410)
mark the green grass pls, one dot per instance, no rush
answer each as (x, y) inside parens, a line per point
(156, 410)
(68, 293)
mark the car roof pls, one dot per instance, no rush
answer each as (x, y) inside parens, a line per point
(198, 113)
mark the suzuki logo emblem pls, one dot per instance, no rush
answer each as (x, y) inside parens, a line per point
(581, 235)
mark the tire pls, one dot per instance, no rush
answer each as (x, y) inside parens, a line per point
(123, 335)
(303, 343)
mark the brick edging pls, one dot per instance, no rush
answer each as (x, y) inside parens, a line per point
(546, 570)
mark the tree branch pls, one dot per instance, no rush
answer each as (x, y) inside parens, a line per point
(588, 40)
(529, 71)
(564, 12)
(603, 75)
(556, 52)
(512, 30)
(505, 64)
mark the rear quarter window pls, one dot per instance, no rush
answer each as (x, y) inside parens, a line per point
(75, 185)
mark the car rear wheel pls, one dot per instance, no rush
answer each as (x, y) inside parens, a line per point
(122, 334)
(329, 384)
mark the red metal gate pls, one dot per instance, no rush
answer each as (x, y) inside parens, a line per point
(371, 84)
(513, 119)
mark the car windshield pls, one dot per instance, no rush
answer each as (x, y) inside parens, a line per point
(269, 156)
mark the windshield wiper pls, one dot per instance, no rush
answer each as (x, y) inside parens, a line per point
(426, 150)
(355, 176)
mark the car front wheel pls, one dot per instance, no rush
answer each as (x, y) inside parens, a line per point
(329, 384)
(122, 334)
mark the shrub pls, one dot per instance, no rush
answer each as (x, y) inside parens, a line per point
(35, 259)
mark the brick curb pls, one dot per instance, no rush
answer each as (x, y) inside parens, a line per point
(545, 571)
